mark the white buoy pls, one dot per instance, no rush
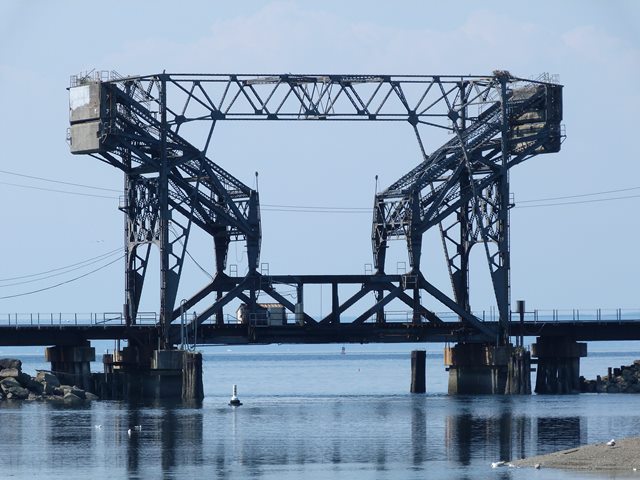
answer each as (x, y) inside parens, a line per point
(235, 401)
(611, 443)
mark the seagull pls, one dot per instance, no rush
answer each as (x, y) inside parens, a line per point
(611, 443)
(129, 432)
(137, 428)
(498, 464)
(98, 427)
(537, 466)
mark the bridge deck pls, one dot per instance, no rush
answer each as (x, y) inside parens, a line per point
(396, 332)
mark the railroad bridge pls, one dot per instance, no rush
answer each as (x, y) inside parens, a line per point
(143, 125)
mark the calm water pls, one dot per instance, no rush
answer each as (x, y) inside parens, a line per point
(310, 412)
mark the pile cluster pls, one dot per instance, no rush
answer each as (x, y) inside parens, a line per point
(16, 385)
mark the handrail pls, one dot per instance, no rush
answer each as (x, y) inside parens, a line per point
(63, 320)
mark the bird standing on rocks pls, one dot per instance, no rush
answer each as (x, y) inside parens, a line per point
(611, 443)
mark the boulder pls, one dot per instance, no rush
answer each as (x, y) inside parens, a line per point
(71, 398)
(13, 389)
(9, 372)
(90, 396)
(30, 384)
(57, 391)
(78, 392)
(10, 363)
(48, 377)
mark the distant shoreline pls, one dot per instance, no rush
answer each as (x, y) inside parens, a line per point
(624, 456)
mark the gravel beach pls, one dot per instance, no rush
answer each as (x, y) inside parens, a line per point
(623, 456)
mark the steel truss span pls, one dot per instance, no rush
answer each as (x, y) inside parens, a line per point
(141, 125)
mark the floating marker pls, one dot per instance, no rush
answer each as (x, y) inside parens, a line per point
(235, 401)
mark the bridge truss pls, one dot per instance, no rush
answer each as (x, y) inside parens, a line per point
(141, 124)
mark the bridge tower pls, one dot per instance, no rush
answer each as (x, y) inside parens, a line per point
(140, 125)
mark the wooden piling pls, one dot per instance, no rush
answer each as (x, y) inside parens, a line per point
(519, 372)
(418, 371)
(192, 376)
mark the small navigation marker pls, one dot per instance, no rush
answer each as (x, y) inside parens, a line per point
(235, 401)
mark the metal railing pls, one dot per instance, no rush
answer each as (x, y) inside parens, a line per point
(538, 316)
(73, 319)
(19, 320)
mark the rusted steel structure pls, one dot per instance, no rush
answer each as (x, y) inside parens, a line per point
(143, 126)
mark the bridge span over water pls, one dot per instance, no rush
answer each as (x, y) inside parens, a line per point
(24, 329)
(145, 126)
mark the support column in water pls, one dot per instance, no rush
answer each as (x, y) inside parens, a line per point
(418, 371)
(477, 368)
(558, 364)
(72, 364)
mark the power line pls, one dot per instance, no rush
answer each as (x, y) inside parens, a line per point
(317, 207)
(191, 257)
(93, 187)
(581, 195)
(324, 209)
(62, 283)
(101, 256)
(581, 201)
(58, 273)
(58, 191)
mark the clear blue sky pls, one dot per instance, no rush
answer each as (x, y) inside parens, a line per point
(578, 255)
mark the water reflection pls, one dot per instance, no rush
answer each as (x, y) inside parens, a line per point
(497, 434)
(439, 437)
(165, 431)
(559, 433)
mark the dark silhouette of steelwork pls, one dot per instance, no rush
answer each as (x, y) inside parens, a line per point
(140, 124)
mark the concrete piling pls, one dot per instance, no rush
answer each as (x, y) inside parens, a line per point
(478, 368)
(72, 364)
(168, 374)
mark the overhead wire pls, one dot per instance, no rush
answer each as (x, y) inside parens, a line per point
(50, 287)
(190, 256)
(101, 256)
(64, 272)
(329, 209)
(50, 180)
(68, 192)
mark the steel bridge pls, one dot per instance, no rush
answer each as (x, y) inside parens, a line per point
(76, 328)
(142, 125)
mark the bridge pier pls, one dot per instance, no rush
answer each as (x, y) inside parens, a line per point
(72, 364)
(558, 364)
(138, 374)
(480, 368)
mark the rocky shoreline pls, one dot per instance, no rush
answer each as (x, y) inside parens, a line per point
(45, 386)
(625, 379)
